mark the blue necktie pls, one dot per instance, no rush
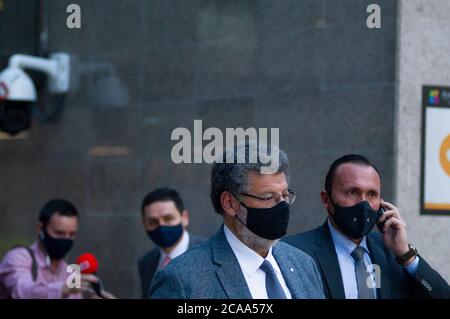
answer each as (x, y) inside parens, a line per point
(273, 287)
(364, 291)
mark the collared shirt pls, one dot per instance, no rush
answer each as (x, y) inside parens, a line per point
(17, 279)
(250, 261)
(344, 247)
(179, 249)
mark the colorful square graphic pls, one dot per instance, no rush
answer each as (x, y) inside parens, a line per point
(433, 97)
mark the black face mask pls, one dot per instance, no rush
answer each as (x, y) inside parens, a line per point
(166, 236)
(56, 248)
(355, 221)
(269, 223)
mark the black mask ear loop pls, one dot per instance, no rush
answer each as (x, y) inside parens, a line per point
(42, 235)
(240, 203)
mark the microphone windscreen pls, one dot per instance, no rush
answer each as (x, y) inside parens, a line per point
(88, 263)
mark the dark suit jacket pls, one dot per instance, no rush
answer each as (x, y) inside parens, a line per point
(212, 271)
(148, 263)
(396, 282)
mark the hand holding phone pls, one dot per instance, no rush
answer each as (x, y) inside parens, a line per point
(380, 225)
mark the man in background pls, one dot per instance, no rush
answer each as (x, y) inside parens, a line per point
(39, 271)
(166, 221)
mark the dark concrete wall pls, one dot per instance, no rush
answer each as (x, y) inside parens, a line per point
(143, 68)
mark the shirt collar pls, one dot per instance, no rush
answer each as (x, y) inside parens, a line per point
(248, 259)
(42, 258)
(342, 243)
(180, 248)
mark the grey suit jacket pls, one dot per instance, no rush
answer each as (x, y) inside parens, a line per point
(211, 271)
(148, 263)
(396, 282)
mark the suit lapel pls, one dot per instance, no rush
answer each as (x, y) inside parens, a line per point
(153, 264)
(229, 272)
(289, 271)
(329, 264)
(378, 257)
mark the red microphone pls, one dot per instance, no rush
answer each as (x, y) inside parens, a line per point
(89, 265)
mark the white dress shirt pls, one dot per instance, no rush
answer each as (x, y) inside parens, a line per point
(250, 261)
(179, 249)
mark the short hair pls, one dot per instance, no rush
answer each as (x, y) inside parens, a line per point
(232, 176)
(57, 206)
(349, 158)
(163, 194)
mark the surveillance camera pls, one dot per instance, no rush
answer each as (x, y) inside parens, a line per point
(16, 85)
(18, 93)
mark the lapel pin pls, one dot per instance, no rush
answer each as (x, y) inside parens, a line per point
(291, 269)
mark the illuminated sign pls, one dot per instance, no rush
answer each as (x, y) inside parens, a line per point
(435, 195)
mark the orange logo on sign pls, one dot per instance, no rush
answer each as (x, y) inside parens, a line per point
(444, 155)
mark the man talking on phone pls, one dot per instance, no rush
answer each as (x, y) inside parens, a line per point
(354, 262)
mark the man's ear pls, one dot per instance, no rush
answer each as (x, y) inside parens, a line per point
(326, 202)
(185, 219)
(229, 203)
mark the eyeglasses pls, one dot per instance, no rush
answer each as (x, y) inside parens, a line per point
(288, 196)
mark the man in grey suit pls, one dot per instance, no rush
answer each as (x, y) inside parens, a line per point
(165, 220)
(244, 259)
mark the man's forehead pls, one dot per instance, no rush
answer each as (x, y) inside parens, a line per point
(161, 208)
(267, 182)
(59, 218)
(355, 173)
(58, 221)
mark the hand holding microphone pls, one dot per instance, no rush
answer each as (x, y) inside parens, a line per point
(89, 267)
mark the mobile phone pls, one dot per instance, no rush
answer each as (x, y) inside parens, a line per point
(380, 225)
